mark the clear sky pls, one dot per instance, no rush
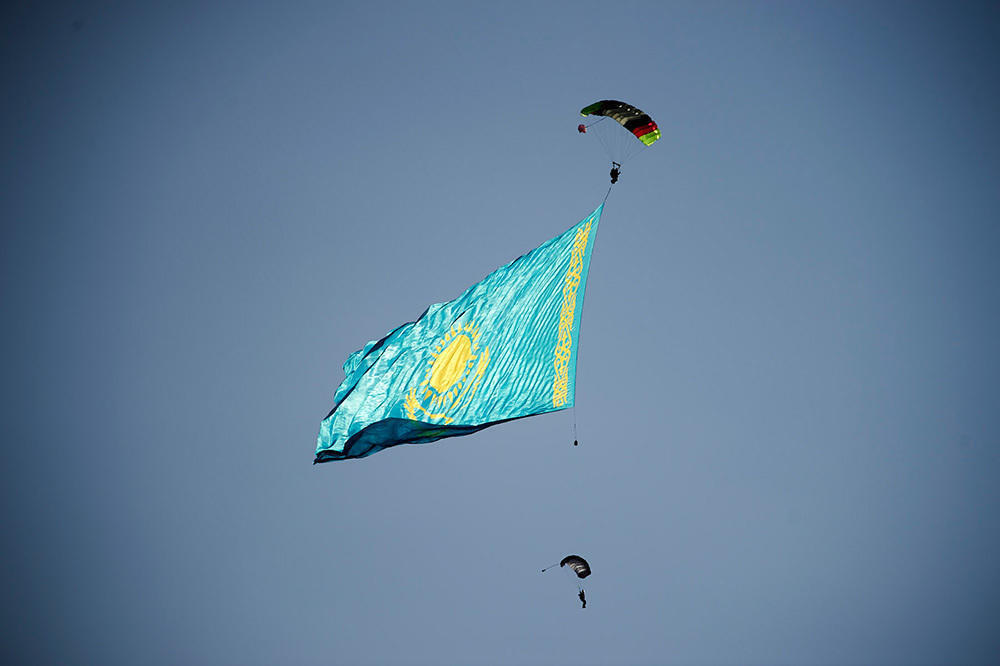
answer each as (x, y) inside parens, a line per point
(788, 372)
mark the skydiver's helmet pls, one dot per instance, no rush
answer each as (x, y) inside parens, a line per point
(581, 128)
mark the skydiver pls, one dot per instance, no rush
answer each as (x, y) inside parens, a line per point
(583, 598)
(615, 170)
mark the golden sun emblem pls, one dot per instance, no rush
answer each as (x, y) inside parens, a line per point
(453, 374)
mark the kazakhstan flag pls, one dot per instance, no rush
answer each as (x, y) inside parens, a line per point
(504, 349)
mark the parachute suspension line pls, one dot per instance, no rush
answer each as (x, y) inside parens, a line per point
(576, 439)
(589, 125)
(549, 567)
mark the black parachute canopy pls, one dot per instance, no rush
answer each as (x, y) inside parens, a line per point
(577, 564)
(634, 120)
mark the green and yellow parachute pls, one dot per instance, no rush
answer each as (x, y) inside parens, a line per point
(635, 121)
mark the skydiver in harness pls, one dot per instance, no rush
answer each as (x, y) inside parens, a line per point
(615, 170)
(583, 598)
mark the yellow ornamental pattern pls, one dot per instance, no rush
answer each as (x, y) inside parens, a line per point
(564, 345)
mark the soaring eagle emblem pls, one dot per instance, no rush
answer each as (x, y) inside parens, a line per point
(454, 371)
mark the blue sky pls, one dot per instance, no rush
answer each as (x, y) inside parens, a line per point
(787, 380)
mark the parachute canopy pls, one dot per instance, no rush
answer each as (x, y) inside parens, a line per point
(577, 564)
(635, 121)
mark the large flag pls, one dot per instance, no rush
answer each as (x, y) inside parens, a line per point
(504, 349)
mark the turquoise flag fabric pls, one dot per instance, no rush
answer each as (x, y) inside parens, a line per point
(504, 349)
